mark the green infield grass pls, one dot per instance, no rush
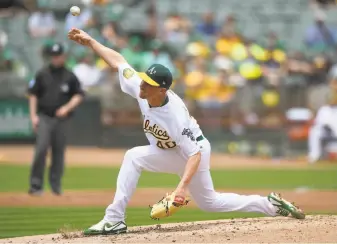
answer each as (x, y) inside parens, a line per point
(14, 178)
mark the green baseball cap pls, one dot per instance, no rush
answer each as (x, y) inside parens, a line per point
(157, 75)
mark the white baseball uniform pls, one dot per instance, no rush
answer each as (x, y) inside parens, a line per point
(172, 134)
(326, 117)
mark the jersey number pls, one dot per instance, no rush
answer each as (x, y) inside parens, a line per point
(166, 145)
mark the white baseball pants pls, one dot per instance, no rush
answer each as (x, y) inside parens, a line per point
(153, 159)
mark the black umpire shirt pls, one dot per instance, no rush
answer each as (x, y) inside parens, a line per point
(54, 87)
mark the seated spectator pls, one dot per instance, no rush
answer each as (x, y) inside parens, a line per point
(86, 71)
(298, 64)
(273, 67)
(318, 88)
(207, 26)
(198, 49)
(248, 49)
(250, 68)
(94, 26)
(176, 31)
(225, 90)
(216, 91)
(157, 55)
(113, 35)
(230, 26)
(42, 24)
(297, 70)
(320, 36)
(198, 81)
(272, 42)
(133, 53)
(227, 39)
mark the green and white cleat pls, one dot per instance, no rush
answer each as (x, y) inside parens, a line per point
(285, 208)
(106, 228)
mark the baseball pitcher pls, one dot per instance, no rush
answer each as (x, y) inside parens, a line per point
(176, 145)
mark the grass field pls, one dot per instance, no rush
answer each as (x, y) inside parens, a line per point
(32, 221)
(14, 178)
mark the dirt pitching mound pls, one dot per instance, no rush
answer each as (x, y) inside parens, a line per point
(251, 230)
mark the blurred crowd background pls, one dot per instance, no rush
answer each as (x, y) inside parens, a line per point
(247, 62)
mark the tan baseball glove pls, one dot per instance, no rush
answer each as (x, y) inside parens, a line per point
(167, 206)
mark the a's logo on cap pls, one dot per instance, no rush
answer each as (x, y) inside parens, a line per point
(152, 71)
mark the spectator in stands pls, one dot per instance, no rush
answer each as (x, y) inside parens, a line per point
(86, 71)
(217, 91)
(298, 66)
(297, 71)
(42, 23)
(318, 88)
(273, 42)
(176, 31)
(198, 80)
(157, 55)
(248, 59)
(207, 26)
(273, 66)
(228, 38)
(248, 64)
(133, 53)
(320, 36)
(113, 35)
(230, 27)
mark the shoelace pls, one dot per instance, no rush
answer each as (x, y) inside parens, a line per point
(283, 212)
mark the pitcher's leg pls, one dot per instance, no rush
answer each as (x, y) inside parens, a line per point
(207, 199)
(148, 158)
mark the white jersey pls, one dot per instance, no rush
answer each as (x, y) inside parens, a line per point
(167, 127)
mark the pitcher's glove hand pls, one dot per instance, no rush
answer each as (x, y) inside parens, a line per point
(168, 206)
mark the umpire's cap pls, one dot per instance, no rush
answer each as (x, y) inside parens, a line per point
(56, 49)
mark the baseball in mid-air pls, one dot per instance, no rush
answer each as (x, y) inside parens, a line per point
(75, 11)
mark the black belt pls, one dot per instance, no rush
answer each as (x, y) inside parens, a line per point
(200, 138)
